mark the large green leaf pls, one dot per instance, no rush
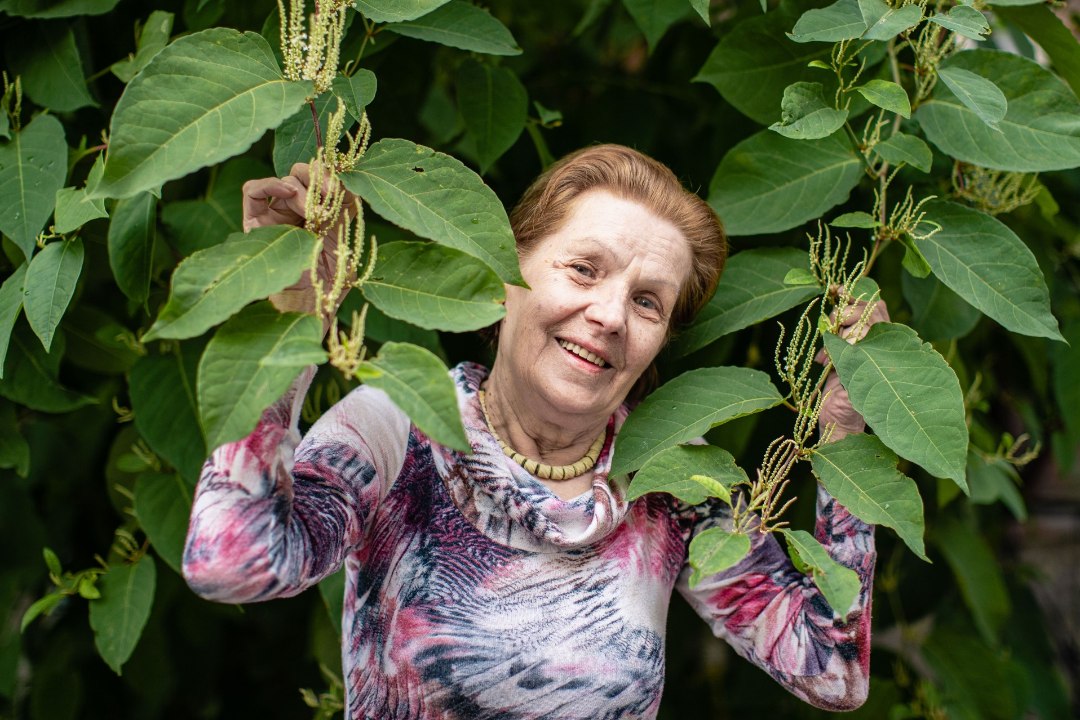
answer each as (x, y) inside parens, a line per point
(805, 115)
(769, 183)
(843, 20)
(908, 394)
(120, 614)
(11, 297)
(461, 25)
(153, 37)
(886, 95)
(30, 374)
(33, 165)
(56, 8)
(436, 197)
(1045, 28)
(754, 62)
(494, 105)
(860, 472)
(902, 148)
(884, 22)
(752, 289)
(249, 364)
(937, 312)
(295, 140)
(233, 92)
(213, 284)
(1040, 131)
(163, 506)
(44, 54)
(73, 206)
(388, 11)
(419, 383)
(977, 93)
(978, 572)
(132, 234)
(356, 91)
(435, 287)
(162, 390)
(654, 17)
(198, 224)
(984, 262)
(673, 470)
(49, 285)
(714, 550)
(685, 408)
(972, 680)
(840, 585)
(963, 20)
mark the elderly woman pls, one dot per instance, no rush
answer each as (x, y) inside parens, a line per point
(516, 581)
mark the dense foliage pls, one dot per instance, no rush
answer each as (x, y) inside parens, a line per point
(923, 153)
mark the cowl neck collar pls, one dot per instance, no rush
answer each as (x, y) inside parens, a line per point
(510, 506)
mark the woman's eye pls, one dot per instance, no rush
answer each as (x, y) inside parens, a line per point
(582, 269)
(646, 303)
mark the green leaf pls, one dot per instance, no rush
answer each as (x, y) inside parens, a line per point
(800, 276)
(419, 383)
(44, 54)
(683, 409)
(908, 394)
(840, 585)
(963, 20)
(14, 450)
(332, 590)
(33, 165)
(435, 287)
(388, 11)
(984, 262)
(380, 328)
(436, 197)
(42, 606)
(57, 8)
(233, 92)
(856, 219)
(494, 106)
(914, 261)
(249, 364)
(153, 37)
(11, 298)
(805, 115)
(938, 313)
(884, 22)
(901, 148)
(1044, 27)
(672, 471)
(769, 183)
(840, 21)
(886, 95)
(754, 288)
(30, 375)
(714, 550)
(295, 140)
(973, 681)
(118, 618)
(198, 224)
(163, 506)
(211, 285)
(97, 342)
(992, 479)
(980, 95)
(52, 561)
(461, 25)
(49, 284)
(654, 17)
(73, 208)
(978, 572)
(860, 472)
(701, 7)
(755, 62)
(163, 396)
(356, 91)
(1039, 132)
(132, 234)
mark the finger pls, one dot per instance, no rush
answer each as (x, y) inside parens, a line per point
(297, 202)
(264, 188)
(302, 172)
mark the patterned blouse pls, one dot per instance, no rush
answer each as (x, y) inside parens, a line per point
(473, 592)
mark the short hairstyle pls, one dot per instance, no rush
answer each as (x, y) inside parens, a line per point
(631, 175)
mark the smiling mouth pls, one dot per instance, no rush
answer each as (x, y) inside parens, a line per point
(583, 353)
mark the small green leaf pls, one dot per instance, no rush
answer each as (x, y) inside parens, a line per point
(978, 572)
(132, 235)
(715, 550)
(691, 473)
(857, 219)
(388, 11)
(887, 95)
(654, 17)
(45, 55)
(419, 383)
(249, 364)
(435, 287)
(49, 285)
(992, 480)
(980, 95)
(73, 206)
(838, 584)
(163, 506)
(461, 25)
(52, 562)
(805, 114)
(88, 588)
(884, 22)
(800, 276)
(683, 409)
(840, 21)
(494, 106)
(33, 165)
(436, 197)
(118, 618)
(153, 37)
(963, 20)
(701, 7)
(11, 297)
(211, 285)
(908, 394)
(901, 148)
(98, 342)
(356, 91)
(42, 606)
(860, 472)
(914, 261)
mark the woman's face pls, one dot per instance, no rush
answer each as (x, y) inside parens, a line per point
(603, 287)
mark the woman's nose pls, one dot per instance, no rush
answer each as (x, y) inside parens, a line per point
(608, 310)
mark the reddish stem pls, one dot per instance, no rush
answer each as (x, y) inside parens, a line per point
(315, 119)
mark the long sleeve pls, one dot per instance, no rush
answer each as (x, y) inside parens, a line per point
(273, 515)
(774, 616)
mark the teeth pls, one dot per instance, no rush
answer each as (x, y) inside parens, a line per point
(583, 353)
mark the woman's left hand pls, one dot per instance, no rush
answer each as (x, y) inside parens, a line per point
(837, 407)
